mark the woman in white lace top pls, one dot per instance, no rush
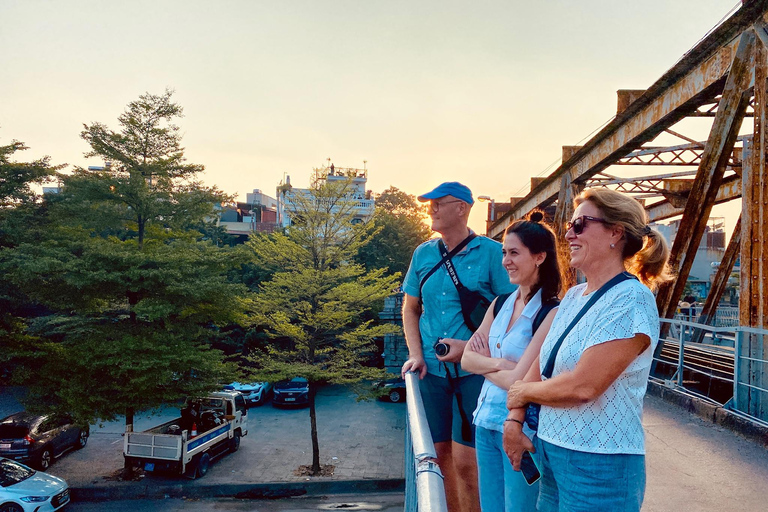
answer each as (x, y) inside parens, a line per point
(590, 440)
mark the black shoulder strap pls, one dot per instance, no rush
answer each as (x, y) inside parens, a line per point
(543, 312)
(445, 258)
(540, 316)
(549, 368)
(500, 300)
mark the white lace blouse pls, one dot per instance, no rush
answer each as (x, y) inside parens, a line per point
(613, 422)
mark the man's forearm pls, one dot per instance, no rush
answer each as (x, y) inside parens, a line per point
(412, 334)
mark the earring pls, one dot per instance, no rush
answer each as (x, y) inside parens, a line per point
(613, 246)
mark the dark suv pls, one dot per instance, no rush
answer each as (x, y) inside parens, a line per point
(37, 440)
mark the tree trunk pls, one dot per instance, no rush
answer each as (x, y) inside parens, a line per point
(313, 422)
(127, 465)
(141, 223)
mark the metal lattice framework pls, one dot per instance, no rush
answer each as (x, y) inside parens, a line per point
(724, 77)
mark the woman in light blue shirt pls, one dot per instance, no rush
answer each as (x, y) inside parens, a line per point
(503, 349)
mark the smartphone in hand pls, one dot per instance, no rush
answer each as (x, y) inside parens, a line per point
(529, 469)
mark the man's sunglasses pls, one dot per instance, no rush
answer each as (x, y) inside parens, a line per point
(579, 223)
(434, 206)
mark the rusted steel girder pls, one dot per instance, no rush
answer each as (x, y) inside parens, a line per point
(753, 303)
(697, 79)
(722, 138)
(730, 188)
(707, 316)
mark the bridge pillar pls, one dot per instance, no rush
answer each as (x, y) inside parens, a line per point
(753, 301)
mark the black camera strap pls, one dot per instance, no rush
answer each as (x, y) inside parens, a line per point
(446, 257)
(466, 425)
(449, 265)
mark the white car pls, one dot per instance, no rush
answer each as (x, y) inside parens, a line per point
(255, 393)
(22, 489)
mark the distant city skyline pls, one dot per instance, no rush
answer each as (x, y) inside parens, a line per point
(425, 92)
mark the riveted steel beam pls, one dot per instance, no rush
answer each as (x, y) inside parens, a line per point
(722, 138)
(720, 283)
(696, 80)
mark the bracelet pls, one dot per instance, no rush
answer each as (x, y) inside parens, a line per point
(516, 421)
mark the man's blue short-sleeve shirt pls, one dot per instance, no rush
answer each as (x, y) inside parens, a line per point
(479, 268)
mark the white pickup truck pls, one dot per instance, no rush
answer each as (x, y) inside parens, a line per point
(207, 428)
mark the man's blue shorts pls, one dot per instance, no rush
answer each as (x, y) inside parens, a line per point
(441, 406)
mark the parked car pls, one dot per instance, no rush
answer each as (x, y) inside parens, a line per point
(255, 393)
(291, 392)
(38, 440)
(22, 489)
(392, 390)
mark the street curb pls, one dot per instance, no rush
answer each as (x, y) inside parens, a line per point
(269, 490)
(713, 413)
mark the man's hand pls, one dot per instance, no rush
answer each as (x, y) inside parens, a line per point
(479, 343)
(516, 395)
(415, 364)
(515, 443)
(455, 350)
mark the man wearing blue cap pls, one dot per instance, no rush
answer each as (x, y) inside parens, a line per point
(432, 314)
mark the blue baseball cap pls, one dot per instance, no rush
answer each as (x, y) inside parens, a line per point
(449, 188)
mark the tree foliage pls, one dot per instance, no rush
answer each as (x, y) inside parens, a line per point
(133, 295)
(313, 306)
(146, 179)
(400, 220)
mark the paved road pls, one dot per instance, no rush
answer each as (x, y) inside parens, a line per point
(392, 502)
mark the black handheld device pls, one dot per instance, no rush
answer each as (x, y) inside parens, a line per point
(529, 469)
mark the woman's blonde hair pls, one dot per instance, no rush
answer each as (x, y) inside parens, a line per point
(645, 251)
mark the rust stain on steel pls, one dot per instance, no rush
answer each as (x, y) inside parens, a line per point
(753, 304)
(674, 96)
(720, 282)
(730, 189)
(722, 138)
(628, 134)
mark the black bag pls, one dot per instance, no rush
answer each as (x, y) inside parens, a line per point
(532, 411)
(473, 307)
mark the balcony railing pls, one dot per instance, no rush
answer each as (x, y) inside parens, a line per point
(424, 488)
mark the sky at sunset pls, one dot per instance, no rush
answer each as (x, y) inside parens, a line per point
(482, 92)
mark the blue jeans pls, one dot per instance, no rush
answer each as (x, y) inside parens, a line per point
(502, 489)
(576, 481)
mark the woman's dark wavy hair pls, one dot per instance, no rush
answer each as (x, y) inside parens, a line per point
(537, 236)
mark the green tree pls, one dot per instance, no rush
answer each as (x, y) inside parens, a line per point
(313, 306)
(146, 179)
(400, 219)
(21, 219)
(133, 292)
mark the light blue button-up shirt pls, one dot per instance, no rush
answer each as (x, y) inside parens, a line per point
(492, 403)
(479, 268)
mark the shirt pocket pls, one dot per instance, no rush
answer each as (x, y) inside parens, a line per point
(494, 342)
(471, 275)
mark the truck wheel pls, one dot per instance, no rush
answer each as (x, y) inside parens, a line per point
(202, 465)
(234, 443)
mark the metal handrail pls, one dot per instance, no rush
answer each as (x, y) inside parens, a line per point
(740, 362)
(424, 486)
